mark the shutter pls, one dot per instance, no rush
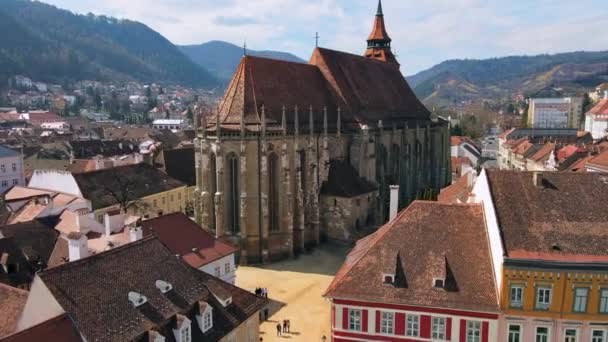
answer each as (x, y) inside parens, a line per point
(448, 328)
(463, 330)
(485, 329)
(364, 320)
(345, 318)
(425, 326)
(333, 316)
(399, 323)
(378, 313)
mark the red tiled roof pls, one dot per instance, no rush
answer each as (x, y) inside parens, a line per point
(12, 301)
(565, 152)
(366, 91)
(457, 163)
(58, 329)
(543, 152)
(601, 108)
(457, 192)
(426, 240)
(45, 116)
(181, 235)
(600, 161)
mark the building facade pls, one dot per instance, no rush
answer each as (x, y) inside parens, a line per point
(555, 113)
(11, 169)
(263, 159)
(596, 119)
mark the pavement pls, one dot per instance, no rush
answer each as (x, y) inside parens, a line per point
(295, 289)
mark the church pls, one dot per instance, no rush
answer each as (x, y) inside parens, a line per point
(297, 153)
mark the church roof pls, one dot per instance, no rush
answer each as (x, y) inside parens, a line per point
(366, 91)
(379, 29)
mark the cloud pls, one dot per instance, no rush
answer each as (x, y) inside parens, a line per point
(424, 32)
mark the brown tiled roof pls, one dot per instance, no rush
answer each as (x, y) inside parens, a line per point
(344, 181)
(431, 240)
(94, 293)
(457, 163)
(12, 301)
(57, 329)
(458, 191)
(143, 180)
(366, 91)
(567, 214)
(543, 152)
(179, 163)
(600, 161)
(601, 108)
(181, 235)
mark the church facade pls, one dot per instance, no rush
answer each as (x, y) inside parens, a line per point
(300, 153)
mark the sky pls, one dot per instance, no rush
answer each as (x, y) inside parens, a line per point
(424, 32)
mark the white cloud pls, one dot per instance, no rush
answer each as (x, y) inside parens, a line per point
(424, 32)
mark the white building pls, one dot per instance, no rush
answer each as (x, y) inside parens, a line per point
(171, 124)
(11, 169)
(555, 112)
(596, 120)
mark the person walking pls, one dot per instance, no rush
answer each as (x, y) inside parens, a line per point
(278, 329)
(289, 326)
(284, 326)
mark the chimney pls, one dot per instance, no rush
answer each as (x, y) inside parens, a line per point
(537, 179)
(394, 202)
(77, 246)
(135, 233)
(470, 178)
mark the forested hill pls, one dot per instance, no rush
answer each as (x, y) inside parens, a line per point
(54, 45)
(456, 80)
(222, 58)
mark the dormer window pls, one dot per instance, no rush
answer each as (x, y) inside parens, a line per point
(388, 278)
(183, 332)
(163, 286)
(137, 299)
(205, 317)
(207, 320)
(439, 283)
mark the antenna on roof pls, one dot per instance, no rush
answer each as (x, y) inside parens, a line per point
(316, 37)
(245, 48)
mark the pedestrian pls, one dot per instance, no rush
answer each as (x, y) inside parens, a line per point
(284, 325)
(266, 314)
(266, 292)
(289, 326)
(278, 329)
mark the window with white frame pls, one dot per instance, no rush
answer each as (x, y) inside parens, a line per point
(413, 325)
(3, 168)
(473, 331)
(543, 298)
(580, 299)
(227, 268)
(603, 301)
(514, 333)
(4, 184)
(570, 335)
(354, 319)
(217, 271)
(14, 167)
(598, 336)
(438, 328)
(15, 181)
(542, 334)
(207, 320)
(185, 334)
(517, 294)
(387, 324)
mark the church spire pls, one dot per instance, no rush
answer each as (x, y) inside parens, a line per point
(379, 42)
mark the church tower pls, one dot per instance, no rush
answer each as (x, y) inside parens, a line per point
(378, 42)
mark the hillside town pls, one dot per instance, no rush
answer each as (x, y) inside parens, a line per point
(310, 201)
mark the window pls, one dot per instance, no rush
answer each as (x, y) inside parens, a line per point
(227, 268)
(514, 333)
(542, 334)
(15, 181)
(580, 299)
(213, 188)
(517, 294)
(543, 298)
(207, 320)
(234, 205)
(598, 336)
(438, 328)
(413, 325)
(354, 319)
(570, 335)
(387, 323)
(171, 198)
(4, 184)
(14, 167)
(155, 203)
(603, 301)
(273, 193)
(163, 200)
(3, 168)
(217, 271)
(179, 196)
(473, 331)
(184, 334)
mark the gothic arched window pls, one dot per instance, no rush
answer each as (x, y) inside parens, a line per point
(395, 161)
(233, 203)
(273, 192)
(212, 187)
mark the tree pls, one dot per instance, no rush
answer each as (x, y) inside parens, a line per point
(190, 115)
(122, 191)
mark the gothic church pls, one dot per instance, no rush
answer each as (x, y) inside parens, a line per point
(300, 153)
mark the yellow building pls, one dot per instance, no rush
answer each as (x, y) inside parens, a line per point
(137, 189)
(549, 240)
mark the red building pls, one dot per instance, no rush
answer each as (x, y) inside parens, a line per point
(427, 275)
